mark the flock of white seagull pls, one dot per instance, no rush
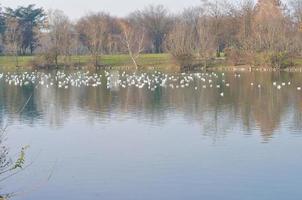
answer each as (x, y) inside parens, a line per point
(114, 79)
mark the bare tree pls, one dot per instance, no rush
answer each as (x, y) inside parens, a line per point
(296, 18)
(181, 41)
(245, 16)
(296, 7)
(93, 31)
(206, 41)
(246, 30)
(58, 41)
(266, 24)
(133, 38)
(157, 23)
(12, 37)
(192, 36)
(211, 19)
(2, 28)
(112, 43)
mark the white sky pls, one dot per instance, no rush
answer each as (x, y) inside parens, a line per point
(77, 8)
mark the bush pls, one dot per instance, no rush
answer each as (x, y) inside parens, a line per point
(238, 57)
(273, 59)
(43, 61)
(281, 60)
(260, 59)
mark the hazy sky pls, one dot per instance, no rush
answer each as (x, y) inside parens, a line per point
(77, 8)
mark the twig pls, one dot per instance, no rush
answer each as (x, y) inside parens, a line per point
(3, 130)
(22, 109)
(24, 192)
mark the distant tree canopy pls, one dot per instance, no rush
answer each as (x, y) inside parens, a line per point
(30, 20)
(157, 23)
(268, 31)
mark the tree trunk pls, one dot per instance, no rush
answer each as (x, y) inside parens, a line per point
(205, 63)
(17, 60)
(16, 56)
(96, 64)
(133, 59)
(56, 61)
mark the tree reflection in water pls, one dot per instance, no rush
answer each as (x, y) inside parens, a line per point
(244, 103)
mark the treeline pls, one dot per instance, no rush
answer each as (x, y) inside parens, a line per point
(263, 33)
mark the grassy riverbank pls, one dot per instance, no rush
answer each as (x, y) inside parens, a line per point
(106, 60)
(162, 61)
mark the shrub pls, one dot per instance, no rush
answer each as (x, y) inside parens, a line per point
(43, 61)
(259, 59)
(273, 59)
(238, 57)
(281, 60)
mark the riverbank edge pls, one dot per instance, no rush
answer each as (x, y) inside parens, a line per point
(148, 62)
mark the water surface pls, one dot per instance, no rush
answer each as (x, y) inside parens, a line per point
(118, 135)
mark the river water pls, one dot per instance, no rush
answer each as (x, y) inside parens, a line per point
(118, 135)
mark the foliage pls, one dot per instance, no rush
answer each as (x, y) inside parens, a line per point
(238, 57)
(59, 39)
(281, 60)
(30, 20)
(93, 32)
(21, 160)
